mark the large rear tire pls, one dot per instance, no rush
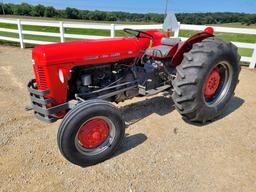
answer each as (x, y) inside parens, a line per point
(91, 133)
(206, 80)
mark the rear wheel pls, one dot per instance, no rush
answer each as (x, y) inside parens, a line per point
(206, 80)
(91, 133)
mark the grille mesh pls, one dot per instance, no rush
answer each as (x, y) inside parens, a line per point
(42, 78)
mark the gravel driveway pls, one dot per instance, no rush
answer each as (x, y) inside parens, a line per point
(161, 152)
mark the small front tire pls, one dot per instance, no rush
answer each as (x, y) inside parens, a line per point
(91, 133)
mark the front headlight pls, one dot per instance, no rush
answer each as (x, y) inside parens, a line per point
(61, 76)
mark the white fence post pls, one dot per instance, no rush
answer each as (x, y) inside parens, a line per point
(253, 62)
(113, 33)
(20, 34)
(62, 31)
(177, 32)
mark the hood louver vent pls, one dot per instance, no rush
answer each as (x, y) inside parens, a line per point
(42, 84)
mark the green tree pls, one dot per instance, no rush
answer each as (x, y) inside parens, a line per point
(72, 13)
(23, 9)
(50, 12)
(111, 17)
(38, 11)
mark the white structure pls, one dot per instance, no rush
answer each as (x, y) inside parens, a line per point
(112, 28)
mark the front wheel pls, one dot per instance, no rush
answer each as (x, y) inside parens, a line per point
(206, 80)
(91, 132)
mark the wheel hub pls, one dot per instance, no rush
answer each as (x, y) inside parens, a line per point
(93, 133)
(212, 83)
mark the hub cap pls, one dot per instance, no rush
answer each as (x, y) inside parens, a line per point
(95, 136)
(93, 133)
(218, 83)
(212, 83)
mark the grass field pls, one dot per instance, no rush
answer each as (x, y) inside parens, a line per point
(183, 33)
(237, 25)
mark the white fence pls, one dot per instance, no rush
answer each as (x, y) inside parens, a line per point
(112, 28)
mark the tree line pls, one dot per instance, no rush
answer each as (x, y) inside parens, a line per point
(25, 9)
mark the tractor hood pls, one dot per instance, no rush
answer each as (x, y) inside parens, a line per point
(89, 51)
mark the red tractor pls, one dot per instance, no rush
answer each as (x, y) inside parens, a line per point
(77, 81)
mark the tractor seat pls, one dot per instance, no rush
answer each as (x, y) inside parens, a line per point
(170, 41)
(163, 50)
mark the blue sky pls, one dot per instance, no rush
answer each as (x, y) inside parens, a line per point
(144, 6)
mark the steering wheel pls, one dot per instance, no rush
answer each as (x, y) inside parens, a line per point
(138, 33)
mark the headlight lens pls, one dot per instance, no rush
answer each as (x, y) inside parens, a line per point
(61, 76)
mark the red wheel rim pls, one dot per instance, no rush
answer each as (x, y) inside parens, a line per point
(93, 133)
(212, 83)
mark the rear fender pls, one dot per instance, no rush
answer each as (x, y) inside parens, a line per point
(187, 46)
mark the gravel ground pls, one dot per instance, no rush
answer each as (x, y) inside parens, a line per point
(161, 152)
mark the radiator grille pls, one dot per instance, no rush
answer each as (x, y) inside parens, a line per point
(42, 84)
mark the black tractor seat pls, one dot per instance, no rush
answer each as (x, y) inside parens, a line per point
(162, 51)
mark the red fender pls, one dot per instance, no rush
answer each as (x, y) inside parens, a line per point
(187, 46)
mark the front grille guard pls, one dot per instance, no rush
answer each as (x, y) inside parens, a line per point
(40, 103)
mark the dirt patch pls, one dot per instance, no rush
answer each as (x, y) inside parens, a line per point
(13, 79)
(161, 152)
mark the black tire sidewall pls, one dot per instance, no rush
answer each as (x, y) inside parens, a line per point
(75, 119)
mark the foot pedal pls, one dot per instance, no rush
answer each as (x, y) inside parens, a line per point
(142, 90)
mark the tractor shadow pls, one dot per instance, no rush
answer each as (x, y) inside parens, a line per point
(135, 112)
(160, 105)
(234, 104)
(130, 142)
(163, 105)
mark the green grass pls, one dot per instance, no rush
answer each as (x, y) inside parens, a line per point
(227, 36)
(230, 37)
(245, 52)
(236, 25)
(183, 33)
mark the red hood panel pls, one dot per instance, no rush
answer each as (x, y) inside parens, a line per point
(89, 51)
